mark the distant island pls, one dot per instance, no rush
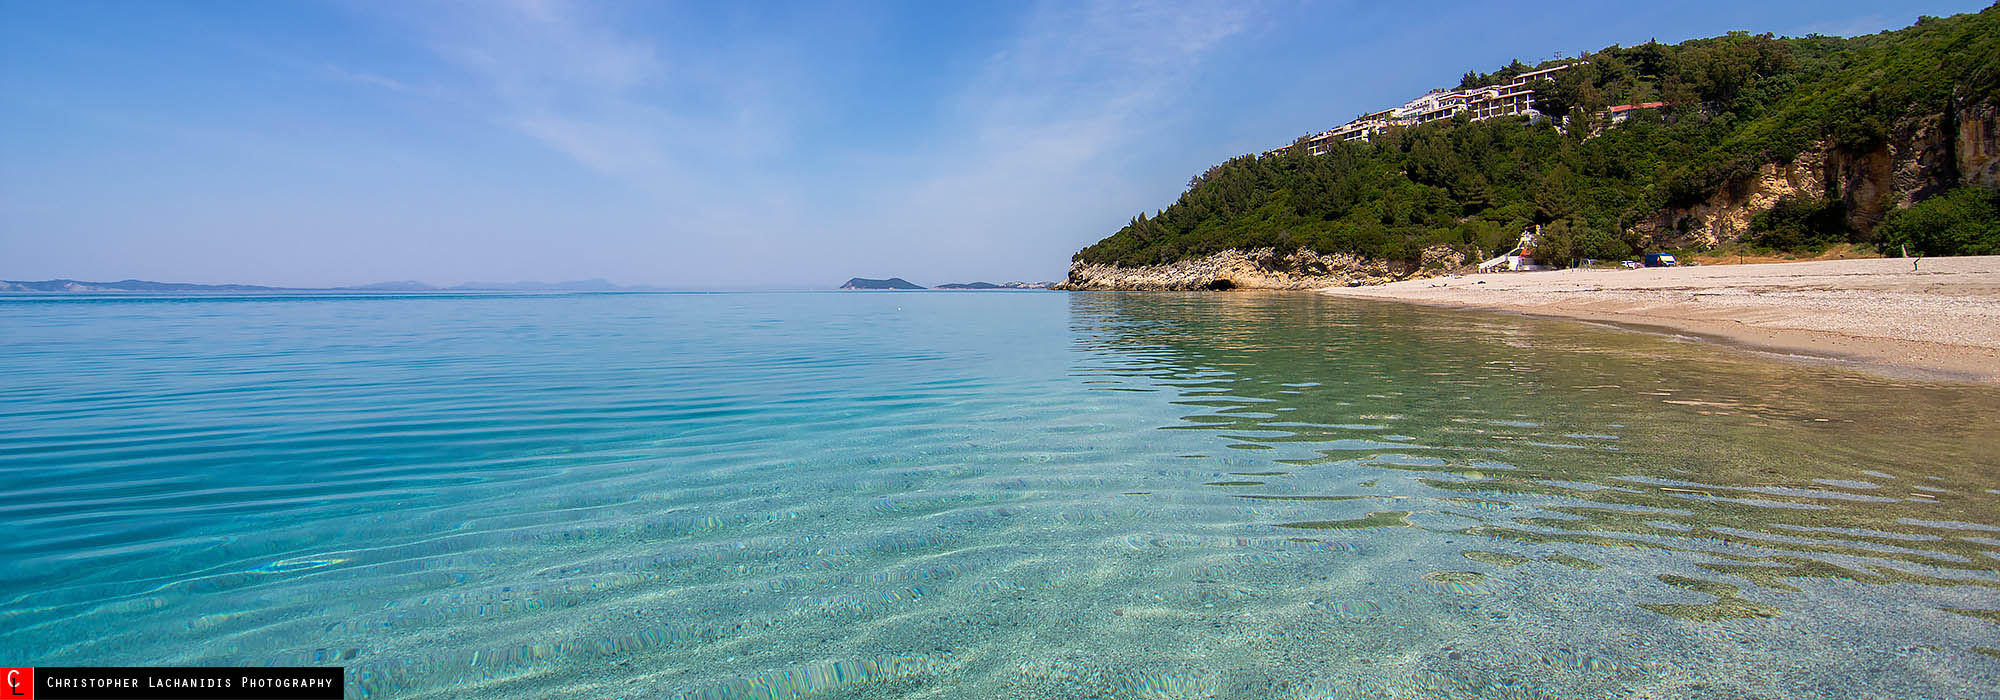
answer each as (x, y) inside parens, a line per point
(891, 283)
(148, 286)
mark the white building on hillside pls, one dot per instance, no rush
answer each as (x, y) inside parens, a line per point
(1515, 98)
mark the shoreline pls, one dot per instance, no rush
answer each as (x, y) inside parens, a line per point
(1941, 322)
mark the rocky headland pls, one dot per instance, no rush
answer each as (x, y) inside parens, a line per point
(1887, 143)
(1262, 268)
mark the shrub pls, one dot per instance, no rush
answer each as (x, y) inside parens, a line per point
(1964, 221)
(1800, 223)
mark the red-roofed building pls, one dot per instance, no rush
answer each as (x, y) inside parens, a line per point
(1621, 113)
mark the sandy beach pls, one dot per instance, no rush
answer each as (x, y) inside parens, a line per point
(1940, 321)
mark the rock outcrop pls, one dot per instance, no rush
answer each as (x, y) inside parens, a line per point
(1262, 268)
(1923, 157)
(1978, 144)
(1915, 164)
(1726, 215)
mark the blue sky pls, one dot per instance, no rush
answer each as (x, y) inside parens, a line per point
(703, 144)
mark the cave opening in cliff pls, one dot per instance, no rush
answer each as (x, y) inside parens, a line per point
(1219, 286)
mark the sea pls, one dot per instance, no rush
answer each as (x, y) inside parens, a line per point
(981, 495)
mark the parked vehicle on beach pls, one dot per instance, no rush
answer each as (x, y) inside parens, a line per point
(1661, 260)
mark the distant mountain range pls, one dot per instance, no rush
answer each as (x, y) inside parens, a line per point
(1002, 285)
(589, 285)
(900, 283)
(64, 285)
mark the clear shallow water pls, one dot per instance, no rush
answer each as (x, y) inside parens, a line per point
(1010, 495)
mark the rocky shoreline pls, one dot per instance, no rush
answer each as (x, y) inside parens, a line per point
(1262, 268)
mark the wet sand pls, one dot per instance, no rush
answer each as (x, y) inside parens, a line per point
(1940, 321)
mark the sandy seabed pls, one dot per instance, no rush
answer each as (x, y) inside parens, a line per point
(1935, 318)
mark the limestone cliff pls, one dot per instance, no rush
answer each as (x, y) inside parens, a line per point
(1924, 156)
(1261, 268)
(1726, 215)
(1978, 145)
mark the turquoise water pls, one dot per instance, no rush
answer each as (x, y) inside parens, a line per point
(981, 495)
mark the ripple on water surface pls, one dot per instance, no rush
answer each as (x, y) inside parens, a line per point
(1007, 495)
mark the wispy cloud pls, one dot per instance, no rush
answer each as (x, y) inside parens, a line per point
(715, 132)
(335, 72)
(1048, 121)
(699, 144)
(1089, 72)
(555, 75)
(566, 75)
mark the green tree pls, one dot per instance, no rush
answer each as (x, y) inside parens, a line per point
(1800, 223)
(1556, 244)
(1964, 221)
(1741, 102)
(1555, 196)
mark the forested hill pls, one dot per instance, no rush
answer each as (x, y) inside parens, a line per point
(1783, 143)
